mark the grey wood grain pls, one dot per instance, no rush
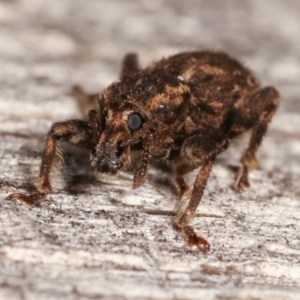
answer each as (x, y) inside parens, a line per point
(95, 238)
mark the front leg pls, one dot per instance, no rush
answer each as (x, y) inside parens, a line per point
(75, 132)
(180, 171)
(140, 173)
(207, 152)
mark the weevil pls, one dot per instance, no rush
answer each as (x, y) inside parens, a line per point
(182, 110)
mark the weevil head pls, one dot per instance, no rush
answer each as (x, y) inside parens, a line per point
(119, 121)
(129, 110)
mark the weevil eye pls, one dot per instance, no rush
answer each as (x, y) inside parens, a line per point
(135, 121)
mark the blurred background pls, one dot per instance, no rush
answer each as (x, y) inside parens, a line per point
(84, 41)
(62, 42)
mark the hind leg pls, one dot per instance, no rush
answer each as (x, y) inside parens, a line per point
(254, 112)
(130, 64)
(85, 101)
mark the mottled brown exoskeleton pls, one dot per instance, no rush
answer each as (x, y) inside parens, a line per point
(182, 110)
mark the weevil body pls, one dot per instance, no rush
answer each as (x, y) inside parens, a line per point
(183, 110)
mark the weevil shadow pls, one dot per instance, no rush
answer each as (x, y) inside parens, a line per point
(78, 172)
(80, 175)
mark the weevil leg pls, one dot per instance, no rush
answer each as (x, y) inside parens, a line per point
(130, 64)
(191, 198)
(140, 173)
(89, 101)
(77, 133)
(180, 171)
(189, 206)
(262, 106)
(85, 101)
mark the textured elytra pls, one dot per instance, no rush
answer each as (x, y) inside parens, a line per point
(182, 111)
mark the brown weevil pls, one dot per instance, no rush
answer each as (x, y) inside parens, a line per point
(183, 110)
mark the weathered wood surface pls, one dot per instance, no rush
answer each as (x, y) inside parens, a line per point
(96, 238)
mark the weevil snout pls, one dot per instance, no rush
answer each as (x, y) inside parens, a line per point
(108, 158)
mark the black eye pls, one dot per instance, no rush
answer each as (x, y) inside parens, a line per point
(135, 121)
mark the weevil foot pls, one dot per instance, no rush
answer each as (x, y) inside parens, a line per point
(32, 199)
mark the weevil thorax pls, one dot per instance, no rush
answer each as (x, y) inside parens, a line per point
(150, 101)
